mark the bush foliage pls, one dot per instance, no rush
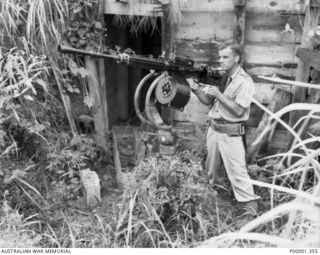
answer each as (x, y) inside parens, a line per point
(165, 202)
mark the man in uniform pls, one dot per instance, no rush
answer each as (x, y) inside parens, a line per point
(229, 109)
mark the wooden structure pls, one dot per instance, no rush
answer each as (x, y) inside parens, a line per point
(310, 22)
(270, 32)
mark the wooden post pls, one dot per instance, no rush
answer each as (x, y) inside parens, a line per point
(239, 21)
(314, 98)
(299, 94)
(65, 99)
(167, 44)
(309, 56)
(95, 95)
(134, 72)
(101, 69)
(116, 158)
(102, 81)
(281, 99)
(122, 80)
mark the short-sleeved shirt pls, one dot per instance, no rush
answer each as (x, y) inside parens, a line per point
(240, 90)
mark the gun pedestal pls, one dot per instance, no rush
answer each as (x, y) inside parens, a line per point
(169, 92)
(174, 93)
(167, 142)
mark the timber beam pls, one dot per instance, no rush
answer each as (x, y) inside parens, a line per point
(303, 70)
(312, 57)
(239, 21)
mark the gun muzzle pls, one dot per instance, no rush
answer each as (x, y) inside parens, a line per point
(70, 50)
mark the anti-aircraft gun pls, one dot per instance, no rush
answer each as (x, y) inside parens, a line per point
(171, 88)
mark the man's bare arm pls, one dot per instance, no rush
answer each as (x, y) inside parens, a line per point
(203, 97)
(229, 104)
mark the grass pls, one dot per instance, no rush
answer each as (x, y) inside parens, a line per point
(17, 230)
(143, 23)
(39, 21)
(166, 202)
(300, 214)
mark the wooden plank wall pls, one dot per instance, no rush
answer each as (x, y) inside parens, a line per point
(268, 48)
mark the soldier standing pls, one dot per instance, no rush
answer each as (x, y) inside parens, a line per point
(229, 109)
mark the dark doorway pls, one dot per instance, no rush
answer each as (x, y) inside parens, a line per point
(123, 80)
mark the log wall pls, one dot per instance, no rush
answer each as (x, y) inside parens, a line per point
(268, 48)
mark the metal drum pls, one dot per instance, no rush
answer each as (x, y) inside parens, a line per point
(172, 92)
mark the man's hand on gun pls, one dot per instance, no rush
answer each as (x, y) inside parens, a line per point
(193, 85)
(209, 90)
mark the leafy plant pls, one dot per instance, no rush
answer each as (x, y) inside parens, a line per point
(20, 76)
(84, 30)
(22, 83)
(36, 22)
(166, 203)
(86, 145)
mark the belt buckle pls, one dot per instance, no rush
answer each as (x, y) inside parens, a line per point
(242, 129)
(216, 127)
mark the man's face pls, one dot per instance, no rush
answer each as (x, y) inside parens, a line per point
(228, 60)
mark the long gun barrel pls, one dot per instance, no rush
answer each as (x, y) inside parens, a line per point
(71, 50)
(171, 88)
(176, 65)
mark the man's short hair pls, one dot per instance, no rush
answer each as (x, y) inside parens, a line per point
(236, 49)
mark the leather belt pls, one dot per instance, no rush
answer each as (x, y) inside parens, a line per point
(226, 127)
